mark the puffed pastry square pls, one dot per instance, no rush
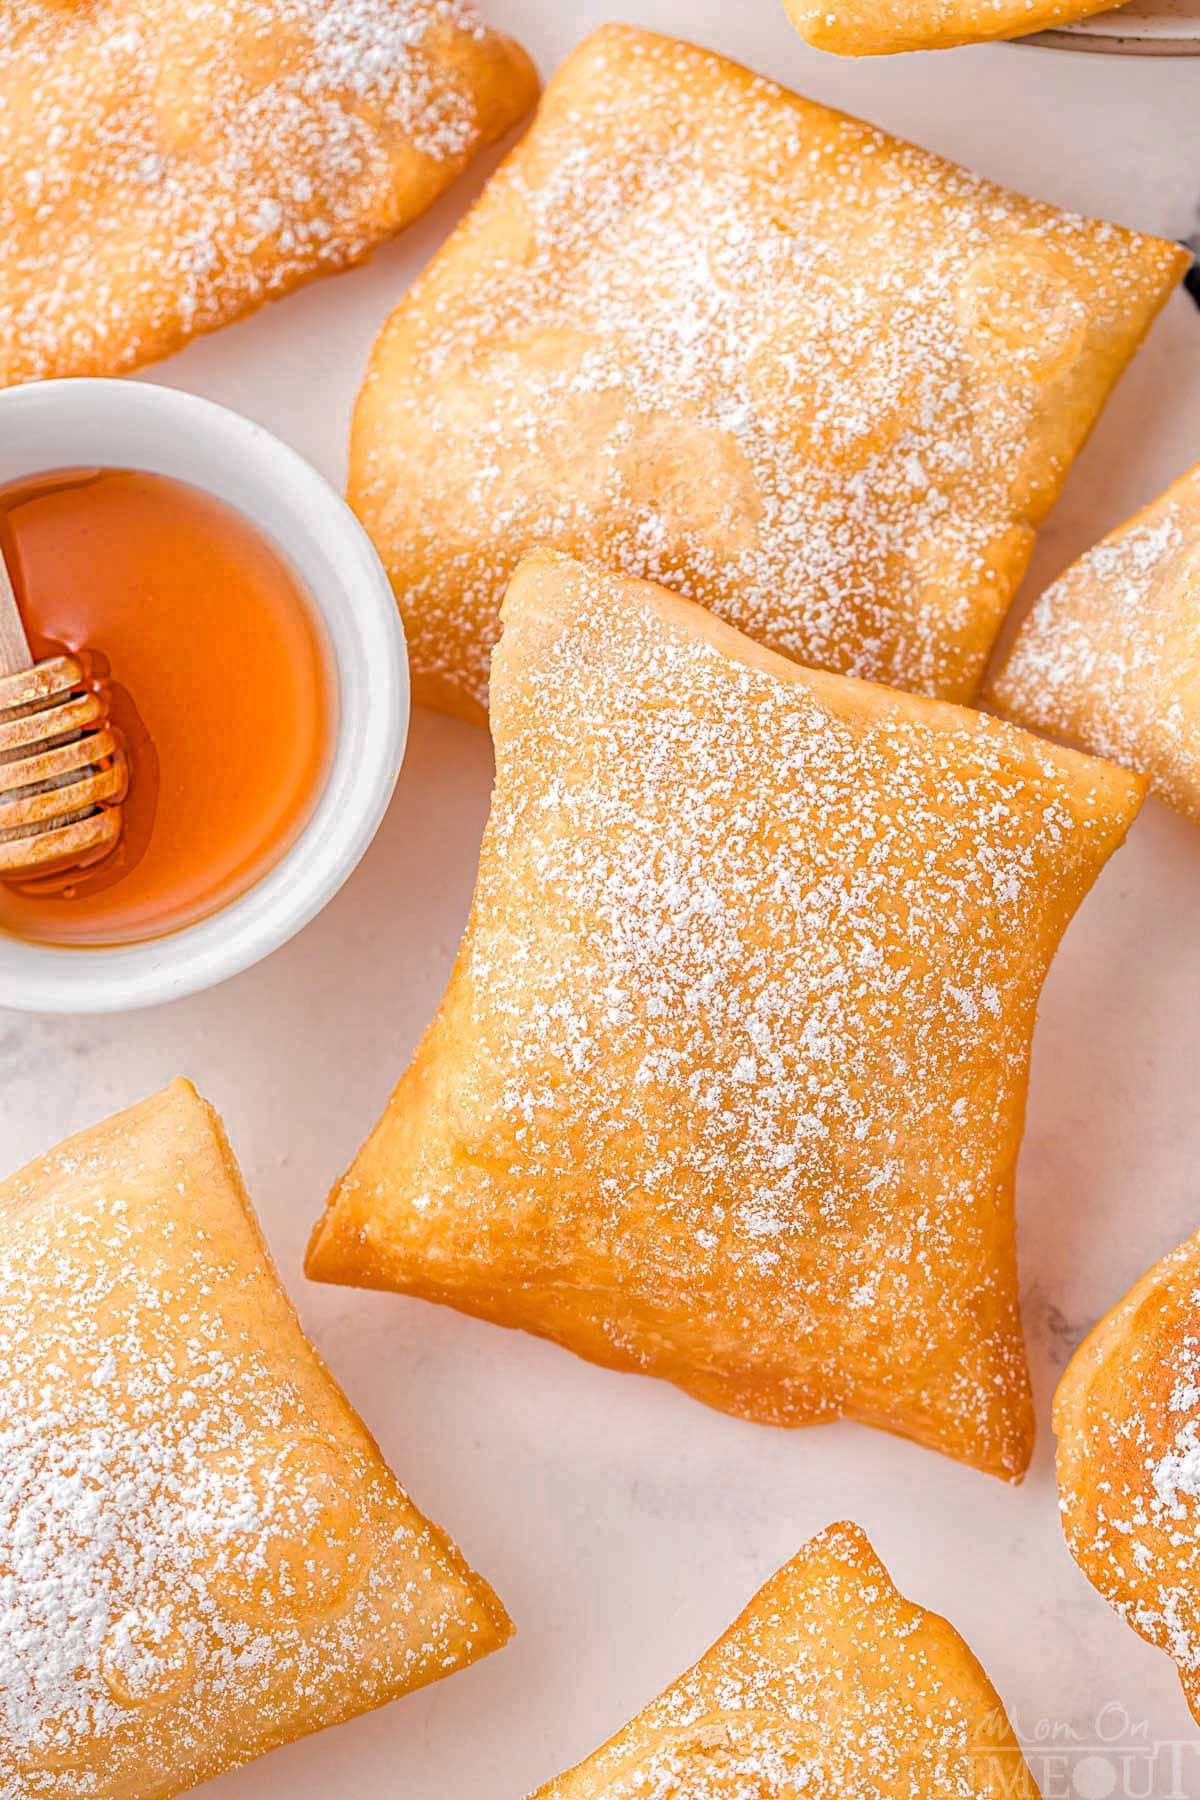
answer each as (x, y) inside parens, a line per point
(202, 1552)
(729, 1080)
(708, 333)
(166, 166)
(1109, 658)
(1127, 1417)
(881, 27)
(830, 1684)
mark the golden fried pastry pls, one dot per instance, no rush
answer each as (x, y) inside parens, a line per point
(879, 27)
(729, 1080)
(829, 1684)
(705, 332)
(1109, 658)
(166, 167)
(1127, 1417)
(202, 1553)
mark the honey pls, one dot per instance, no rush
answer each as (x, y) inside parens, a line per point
(220, 683)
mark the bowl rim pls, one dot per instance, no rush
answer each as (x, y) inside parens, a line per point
(172, 432)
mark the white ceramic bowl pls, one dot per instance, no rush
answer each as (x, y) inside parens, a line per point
(132, 425)
(1142, 28)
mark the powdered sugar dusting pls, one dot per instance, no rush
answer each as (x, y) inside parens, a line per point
(706, 333)
(169, 164)
(830, 1684)
(1128, 1422)
(1176, 1477)
(882, 27)
(1109, 658)
(200, 1552)
(728, 1086)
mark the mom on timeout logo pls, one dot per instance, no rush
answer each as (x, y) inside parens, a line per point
(1114, 1758)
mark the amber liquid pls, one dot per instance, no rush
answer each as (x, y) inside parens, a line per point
(221, 689)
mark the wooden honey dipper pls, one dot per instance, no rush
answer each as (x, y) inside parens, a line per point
(63, 770)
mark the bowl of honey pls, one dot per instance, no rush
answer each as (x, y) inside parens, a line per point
(230, 608)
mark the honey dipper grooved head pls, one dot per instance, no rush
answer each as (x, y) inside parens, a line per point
(63, 769)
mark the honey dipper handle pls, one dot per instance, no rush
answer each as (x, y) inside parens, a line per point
(14, 645)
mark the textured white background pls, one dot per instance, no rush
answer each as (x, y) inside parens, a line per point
(623, 1524)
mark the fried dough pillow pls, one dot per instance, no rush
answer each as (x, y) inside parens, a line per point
(1127, 1416)
(729, 1081)
(166, 167)
(830, 1683)
(1109, 658)
(879, 27)
(202, 1552)
(705, 332)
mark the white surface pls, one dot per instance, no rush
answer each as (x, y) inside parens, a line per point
(623, 1524)
(119, 424)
